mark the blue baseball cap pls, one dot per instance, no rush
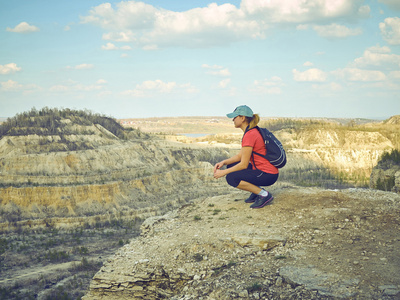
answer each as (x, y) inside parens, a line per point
(242, 110)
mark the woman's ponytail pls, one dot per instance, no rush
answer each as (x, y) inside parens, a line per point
(253, 121)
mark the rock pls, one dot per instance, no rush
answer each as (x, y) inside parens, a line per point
(390, 290)
(279, 281)
(265, 243)
(328, 284)
(244, 294)
(275, 256)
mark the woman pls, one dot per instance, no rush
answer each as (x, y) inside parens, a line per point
(245, 170)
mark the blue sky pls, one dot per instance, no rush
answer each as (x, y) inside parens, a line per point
(298, 58)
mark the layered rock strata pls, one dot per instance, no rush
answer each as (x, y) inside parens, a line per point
(133, 178)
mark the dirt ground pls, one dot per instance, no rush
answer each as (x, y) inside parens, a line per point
(341, 244)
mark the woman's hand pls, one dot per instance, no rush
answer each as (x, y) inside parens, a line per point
(218, 166)
(219, 173)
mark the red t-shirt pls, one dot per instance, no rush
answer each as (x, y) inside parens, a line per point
(253, 139)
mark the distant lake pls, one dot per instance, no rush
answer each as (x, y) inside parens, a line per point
(194, 135)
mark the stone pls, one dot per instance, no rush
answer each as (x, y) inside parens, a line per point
(328, 284)
(390, 290)
(264, 242)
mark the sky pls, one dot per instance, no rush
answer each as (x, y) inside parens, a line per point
(139, 59)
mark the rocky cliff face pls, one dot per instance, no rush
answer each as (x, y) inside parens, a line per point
(72, 192)
(83, 175)
(350, 150)
(40, 177)
(308, 244)
(347, 151)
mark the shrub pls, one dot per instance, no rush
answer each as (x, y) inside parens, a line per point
(47, 121)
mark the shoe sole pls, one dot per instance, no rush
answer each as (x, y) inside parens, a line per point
(251, 201)
(265, 203)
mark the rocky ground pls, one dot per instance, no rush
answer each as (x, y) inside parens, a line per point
(309, 243)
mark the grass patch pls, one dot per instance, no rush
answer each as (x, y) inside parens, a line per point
(197, 218)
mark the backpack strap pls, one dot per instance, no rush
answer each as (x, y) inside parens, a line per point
(252, 153)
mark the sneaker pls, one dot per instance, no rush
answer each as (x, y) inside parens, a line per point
(261, 201)
(251, 199)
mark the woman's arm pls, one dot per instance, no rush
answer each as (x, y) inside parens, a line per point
(228, 161)
(243, 158)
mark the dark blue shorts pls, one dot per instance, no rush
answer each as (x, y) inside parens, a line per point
(256, 177)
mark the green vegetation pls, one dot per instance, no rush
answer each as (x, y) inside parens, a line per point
(46, 247)
(55, 130)
(313, 175)
(218, 270)
(216, 211)
(392, 157)
(287, 123)
(48, 121)
(254, 287)
(385, 184)
(387, 161)
(198, 257)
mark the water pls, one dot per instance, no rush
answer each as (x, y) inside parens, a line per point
(194, 135)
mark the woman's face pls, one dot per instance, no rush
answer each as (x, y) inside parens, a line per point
(238, 121)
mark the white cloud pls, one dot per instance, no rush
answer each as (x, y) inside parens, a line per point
(217, 70)
(109, 46)
(13, 86)
(313, 75)
(394, 75)
(101, 81)
(224, 83)
(153, 28)
(305, 11)
(223, 72)
(127, 36)
(390, 30)
(336, 31)
(355, 74)
(23, 27)
(81, 67)
(378, 57)
(188, 88)
(308, 64)
(152, 87)
(268, 86)
(9, 68)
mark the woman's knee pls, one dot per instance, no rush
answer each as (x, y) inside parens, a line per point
(232, 180)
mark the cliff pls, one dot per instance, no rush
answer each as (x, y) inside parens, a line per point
(74, 187)
(309, 243)
(350, 150)
(75, 168)
(386, 174)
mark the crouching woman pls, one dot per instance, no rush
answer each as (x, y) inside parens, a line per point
(245, 170)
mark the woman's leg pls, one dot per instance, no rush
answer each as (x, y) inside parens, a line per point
(251, 180)
(247, 186)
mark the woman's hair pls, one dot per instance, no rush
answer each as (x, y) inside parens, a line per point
(253, 121)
